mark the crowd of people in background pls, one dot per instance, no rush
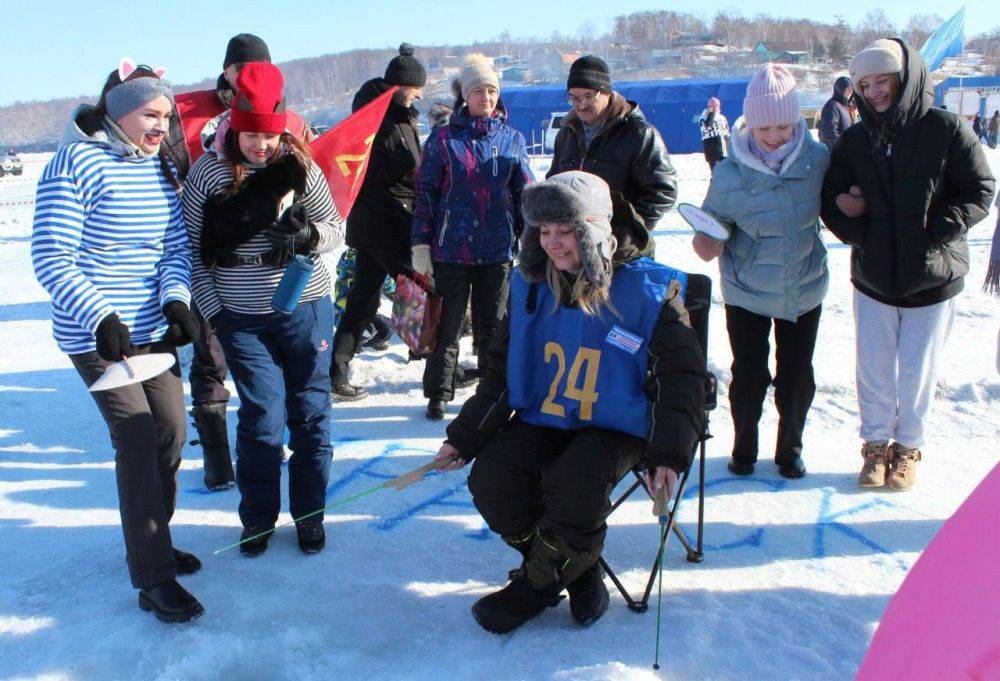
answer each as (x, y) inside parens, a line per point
(145, 246)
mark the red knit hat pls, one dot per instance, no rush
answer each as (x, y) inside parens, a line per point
(259, 105)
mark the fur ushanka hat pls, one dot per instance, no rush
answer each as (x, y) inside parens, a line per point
(575, 198)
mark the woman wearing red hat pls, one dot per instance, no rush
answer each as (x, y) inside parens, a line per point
(279, 361)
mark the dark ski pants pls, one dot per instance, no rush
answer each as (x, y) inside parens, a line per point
(794, 385)
(147, 428)
(281, 366)
(362, 303)
(714, 151)
(556, 481)
(489, 287)
(208, 367)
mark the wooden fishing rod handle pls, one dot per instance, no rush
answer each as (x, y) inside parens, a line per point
(661, 499)
(417, 474)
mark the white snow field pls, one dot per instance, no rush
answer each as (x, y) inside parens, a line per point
(795, 577)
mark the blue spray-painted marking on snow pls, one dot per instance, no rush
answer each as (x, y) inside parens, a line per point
(755, 537)
(828, 520)
(390, 523)
(339, 441)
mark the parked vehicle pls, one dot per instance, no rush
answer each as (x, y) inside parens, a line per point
(10, 163)
(551, 130)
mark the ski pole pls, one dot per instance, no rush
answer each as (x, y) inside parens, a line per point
(400, 482)
(666, 516)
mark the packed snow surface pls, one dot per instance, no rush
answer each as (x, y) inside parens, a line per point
(795, 577)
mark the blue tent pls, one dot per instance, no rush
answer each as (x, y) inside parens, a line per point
(673, 106)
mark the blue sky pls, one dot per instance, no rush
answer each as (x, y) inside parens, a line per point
(56, 49)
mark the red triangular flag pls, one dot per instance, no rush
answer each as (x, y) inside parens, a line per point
(195, 110)
(342, 152)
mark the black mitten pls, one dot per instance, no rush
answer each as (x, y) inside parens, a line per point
(113, 339)
(183, 325)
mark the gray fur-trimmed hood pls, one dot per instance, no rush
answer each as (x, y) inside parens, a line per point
(575, 198)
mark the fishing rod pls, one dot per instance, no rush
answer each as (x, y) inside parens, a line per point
(400, 483)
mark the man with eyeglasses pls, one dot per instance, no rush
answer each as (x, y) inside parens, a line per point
(607, 135)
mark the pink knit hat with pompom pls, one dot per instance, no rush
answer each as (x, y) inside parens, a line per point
(771, 98)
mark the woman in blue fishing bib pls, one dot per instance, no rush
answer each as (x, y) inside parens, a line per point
(595, 369)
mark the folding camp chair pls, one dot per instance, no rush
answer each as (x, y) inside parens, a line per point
(698, 301)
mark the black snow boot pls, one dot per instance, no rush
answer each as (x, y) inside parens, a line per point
(210, 420)
(258, 545)
(187, 563)
(345, 392)
(312, 536)
(381, 333)
(435, 409)
(588, 595)
(170, 602)
(503, 611)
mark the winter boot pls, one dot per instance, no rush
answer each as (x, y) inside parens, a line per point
(170, 602)
(187, 563)
(740, 467)
(210, 421)
(312, 536)
(258, 544)
(345, 392)
(381, 333)
(876, 456)
(902, 467)
(503, 611)
(435, 409)
(588, 595)
(463, 378)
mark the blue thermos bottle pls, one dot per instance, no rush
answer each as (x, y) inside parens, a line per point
(293, 282)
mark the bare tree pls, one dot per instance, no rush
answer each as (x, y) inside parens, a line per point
(920, 28)
(875, 25)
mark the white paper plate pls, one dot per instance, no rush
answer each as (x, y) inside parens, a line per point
(135, 370)
(703, 222)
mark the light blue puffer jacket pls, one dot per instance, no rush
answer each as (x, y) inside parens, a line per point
(774, 264)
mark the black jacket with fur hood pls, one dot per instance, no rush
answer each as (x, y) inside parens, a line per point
(629, 154)
(926, 181)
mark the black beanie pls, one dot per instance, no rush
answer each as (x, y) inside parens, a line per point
(589, 72)
(244, 48)
(406, 70)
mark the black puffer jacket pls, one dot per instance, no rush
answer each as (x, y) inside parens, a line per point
(926, 181)
(836, 116)
(383, 212)
(629, 154)
(676, 363)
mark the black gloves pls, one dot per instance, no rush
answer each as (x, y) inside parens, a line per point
(183, 325)
(113, 339)
(293, 225)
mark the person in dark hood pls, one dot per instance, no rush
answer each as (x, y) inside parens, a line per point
(903, 190)
(378, 227)
(836, 116)
(607, 135)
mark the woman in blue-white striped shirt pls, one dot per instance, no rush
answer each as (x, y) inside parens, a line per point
(110, 246)
(242, 238)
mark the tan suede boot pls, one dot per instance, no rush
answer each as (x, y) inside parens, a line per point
(902, 467)
(876, 468)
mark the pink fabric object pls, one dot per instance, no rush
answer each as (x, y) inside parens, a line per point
(771, 98)
(944, 622)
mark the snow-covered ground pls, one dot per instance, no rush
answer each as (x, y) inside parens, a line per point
(795, 577)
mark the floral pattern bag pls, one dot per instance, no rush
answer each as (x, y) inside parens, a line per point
(416, 314)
